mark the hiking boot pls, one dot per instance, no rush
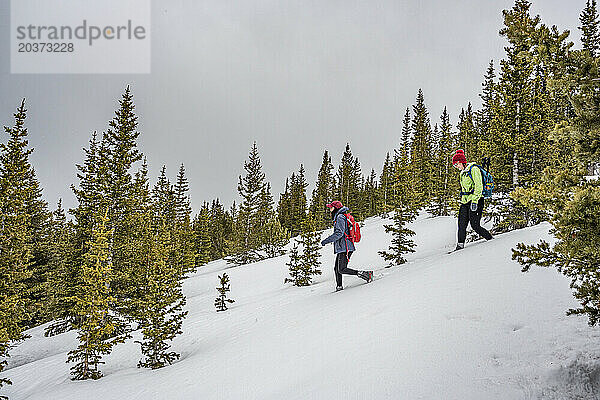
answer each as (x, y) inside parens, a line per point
(366, 275)
(338, 288)
(459, 246)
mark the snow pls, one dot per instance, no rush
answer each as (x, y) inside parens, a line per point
(466, 325)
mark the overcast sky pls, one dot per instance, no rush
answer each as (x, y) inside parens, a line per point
(298, 77)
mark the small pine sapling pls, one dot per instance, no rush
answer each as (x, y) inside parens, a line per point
(222, 300)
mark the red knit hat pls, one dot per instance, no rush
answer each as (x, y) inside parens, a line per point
(334, 204)
(459, 157)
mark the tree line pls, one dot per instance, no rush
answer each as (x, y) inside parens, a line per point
(117, 265)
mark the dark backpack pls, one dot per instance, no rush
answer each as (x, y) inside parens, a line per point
(486, 177)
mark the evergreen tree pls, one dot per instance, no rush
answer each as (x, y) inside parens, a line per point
(323, 193)
(125, 197)
(304, 266)
(284, 208)
(182, 232)
(182, 201)
(21, 196)
(421, 150)
(203, 241)
(468, 138)
(298, 201)
(370, 196)
(90, 199)
(386, 184)
(445, 187)
(297, 277)
(405, 211)
(571, 200)
(19, 199)
(348, 183)
(159, 312)
(275, 237)
(292, 203)
(221, 225)
(61, 288)
(163, 197)
(92, 306)
(406, 136)
(590, 34)
(401, 242)
(222, 300)
(247, 237)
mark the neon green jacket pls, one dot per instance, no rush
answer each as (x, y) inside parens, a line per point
(467, 184)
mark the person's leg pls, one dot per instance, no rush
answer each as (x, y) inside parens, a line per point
(463, 222)
(336, 268)
(343, 265)
(475, 220)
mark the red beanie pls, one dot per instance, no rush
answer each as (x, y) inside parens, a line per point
(459, 157)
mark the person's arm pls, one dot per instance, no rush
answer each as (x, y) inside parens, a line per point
(338, 230)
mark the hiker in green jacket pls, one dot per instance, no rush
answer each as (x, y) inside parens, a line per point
(471, 199)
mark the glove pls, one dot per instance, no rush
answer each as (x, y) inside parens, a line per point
(473, 206)
(322, 243)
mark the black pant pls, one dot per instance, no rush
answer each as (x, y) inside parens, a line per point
(465, 215)
(341, 267)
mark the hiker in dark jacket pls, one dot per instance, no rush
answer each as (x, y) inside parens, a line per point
(342, 246)
(471, 199)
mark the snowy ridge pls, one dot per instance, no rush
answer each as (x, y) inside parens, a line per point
(468, 325)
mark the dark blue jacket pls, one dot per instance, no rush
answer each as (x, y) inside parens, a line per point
(340, 229)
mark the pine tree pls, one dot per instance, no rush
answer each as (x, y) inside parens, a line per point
(19, 196)
(590, 34)
(421, 150)
(406, 136)
(406, 207)
(401, 242)
(222, 300)
(468, 138)
(446, 185)
(310, 239)
(182, 202)
(275, 237)
(61, 287)
(90, 199)
(304, 266)
(484, 117)
(92, 306)
(159, 312)
(246, 240)
(295, 267)
(571, 200)
(292, 203)
(221, 226)
(126, 197)
(183, 235)
(203, 241)
(386, 184)
(323, 193)
(298, 201)
(284, 214)
(370, 196)
(163, 197)
(348, 183)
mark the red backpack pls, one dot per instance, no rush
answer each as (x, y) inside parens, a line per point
(354, 229)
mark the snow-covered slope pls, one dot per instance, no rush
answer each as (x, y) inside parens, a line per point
(467, 325)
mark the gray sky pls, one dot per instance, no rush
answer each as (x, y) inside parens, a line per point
(298, 77)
